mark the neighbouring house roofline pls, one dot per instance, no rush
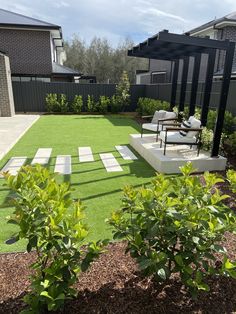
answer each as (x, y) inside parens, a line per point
(12, 20)
(58, 69)
(229, 19)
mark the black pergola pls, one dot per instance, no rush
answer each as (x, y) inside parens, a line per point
(173, 47)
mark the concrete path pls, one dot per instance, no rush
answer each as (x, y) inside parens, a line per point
(85, 154)
(42, 156)
(13, 165)
(12, 129)
(63, 164)
(126, 153)
(110, 163)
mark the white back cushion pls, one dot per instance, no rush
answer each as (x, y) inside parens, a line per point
(195, 123)
(158, 115)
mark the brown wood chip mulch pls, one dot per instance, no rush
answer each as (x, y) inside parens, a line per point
(113, 284)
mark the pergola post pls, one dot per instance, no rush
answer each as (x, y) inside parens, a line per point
(194, 87)
(223, 98)
(174, 83)
(183, 83)
(208, 85)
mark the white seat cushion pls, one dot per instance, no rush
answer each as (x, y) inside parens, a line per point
(151, 127)
(175, 137)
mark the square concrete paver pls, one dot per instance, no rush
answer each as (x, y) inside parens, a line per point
(110, 162)
(42, 156)
(85, 154)
(63, 164)
(13, 165)
(126, 153)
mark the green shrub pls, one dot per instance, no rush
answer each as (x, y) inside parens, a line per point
(103, 104)
(63, 103)
(53, 226)
(77, 104)
(123, 90)
(91, 104)
(207, 139)
(56, 103)
(148, 106)
(229, 121)
(230, 144)
(52, 104)
(176, 226)
(231, 177)
(116, 104)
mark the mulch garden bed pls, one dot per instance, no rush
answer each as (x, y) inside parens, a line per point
(113, 284)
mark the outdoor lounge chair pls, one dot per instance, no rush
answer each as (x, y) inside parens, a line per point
(160, 119)
(188, 134)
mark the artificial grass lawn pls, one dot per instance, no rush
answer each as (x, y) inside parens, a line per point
(99, 190)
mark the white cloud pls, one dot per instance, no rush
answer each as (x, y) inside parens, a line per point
(114, 19)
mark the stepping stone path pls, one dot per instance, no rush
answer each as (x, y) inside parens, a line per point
(42, 156)
(110, 163)
(63, 164)
(14, 165)
(126, 153)
(85, 154)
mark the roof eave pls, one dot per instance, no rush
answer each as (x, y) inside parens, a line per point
(49, 27)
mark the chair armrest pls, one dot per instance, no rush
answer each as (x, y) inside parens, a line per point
(168, 119)
(174, 124)
(146, 117)
(184, 129)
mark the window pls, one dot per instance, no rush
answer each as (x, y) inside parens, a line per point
(158, 77)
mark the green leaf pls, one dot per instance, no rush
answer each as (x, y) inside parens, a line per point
(162, 273)
(179, 260)
(203, 286)
(45, 294)
(229, 265)
(196, 240)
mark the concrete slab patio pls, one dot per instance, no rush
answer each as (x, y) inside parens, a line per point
(176, 155)
(12, 129)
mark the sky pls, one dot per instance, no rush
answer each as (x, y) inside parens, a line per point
(116, 20)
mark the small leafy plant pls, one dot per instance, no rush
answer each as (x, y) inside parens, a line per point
(53, 226)
(103, 104)
(175, 227)
(231, 177)
(91, 104)
(230, 144)
(52, 104)
(56, 103)
(148, 106)
(123, 90)
(229, 121)
(116, 104)
(77, 104)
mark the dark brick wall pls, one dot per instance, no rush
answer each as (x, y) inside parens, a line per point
(29, 51)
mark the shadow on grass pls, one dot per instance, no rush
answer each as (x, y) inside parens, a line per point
(118, 120)
(110, 192)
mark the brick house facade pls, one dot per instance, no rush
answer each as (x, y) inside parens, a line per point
(27, 59)
(34, 47)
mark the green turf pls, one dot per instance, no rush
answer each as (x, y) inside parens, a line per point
(100, 191)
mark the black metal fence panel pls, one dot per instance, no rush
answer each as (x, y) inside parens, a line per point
(30, 96)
